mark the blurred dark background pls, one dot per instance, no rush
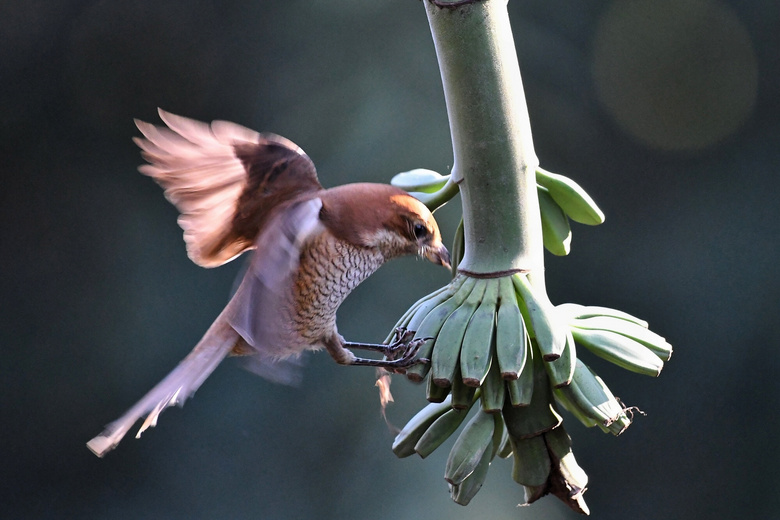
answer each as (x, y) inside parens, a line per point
(666, 112)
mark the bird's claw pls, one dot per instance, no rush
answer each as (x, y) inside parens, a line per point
(401, 352)
(402, 337)
(399, 355)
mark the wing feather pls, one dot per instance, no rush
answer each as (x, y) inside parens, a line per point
(225, 180)
(260, 310)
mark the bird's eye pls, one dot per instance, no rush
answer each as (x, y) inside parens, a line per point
(420, 230)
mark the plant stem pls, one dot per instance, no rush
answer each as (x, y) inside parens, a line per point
(494, 159)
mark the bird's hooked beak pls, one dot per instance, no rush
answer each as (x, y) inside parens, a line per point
(438, 254)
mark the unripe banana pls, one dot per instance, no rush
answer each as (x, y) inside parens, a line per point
(420, 180)
(559, 446)
(561, 370)
(549, 330)
(505, 450)
(589, 393)
(563, 399)
(445, 357)
(511, 335)
(428, 321)
(564, 478)
(407, 438)
(435, 393)
(620, 350)
(521, 390)
(436, 310)
(470, 446)
(654, 342)
(463, 493)
(500, 434)
(575, 310)
(540, 415)
(556, 232)
(462, 395)
(530, 461)
(439, 431)
(493, 390)
(570, 196)
(429, 187)
(475, 353)
(433, 298)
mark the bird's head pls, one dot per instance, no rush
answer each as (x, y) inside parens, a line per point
(384, 217)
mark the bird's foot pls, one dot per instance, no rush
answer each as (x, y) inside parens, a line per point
(399, 355)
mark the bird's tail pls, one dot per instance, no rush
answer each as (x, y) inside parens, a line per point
(177, 386)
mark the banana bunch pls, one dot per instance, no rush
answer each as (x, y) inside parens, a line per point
(501, 343)
(560, 200)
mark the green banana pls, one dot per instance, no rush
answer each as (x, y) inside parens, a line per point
(654, 342)
(559, 446)
(472, 443)
(588, 393)
(437, 296)
(505, 449)
(561, 370)
(577, 311)
(567, 480)
(500, 434)
(549, 331)
(439, 431)
(521, 390)
(573, 408)
(570, 196)
(530, 461)
(458, 248)
(446, 348)
(511, 335)
(427, 302)
(454, 292)
(620, 350)
(556, 231)
(407, 438)
(540, 415)
(463, 492)
(476, 351)
(493, 390)
(462, 395)
(420, 179)
(430, 318)
(435, 393)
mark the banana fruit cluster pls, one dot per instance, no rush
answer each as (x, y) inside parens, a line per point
(500, 342)
(560, 200)
(501, 360)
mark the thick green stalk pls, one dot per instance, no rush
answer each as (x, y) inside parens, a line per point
(494, 159)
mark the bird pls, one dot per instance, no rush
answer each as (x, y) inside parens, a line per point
(238, 190)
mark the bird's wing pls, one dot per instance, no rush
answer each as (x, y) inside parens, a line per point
(224, 179)
(260, 311)
(175, 388)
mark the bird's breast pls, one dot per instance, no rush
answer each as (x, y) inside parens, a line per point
(329, 270)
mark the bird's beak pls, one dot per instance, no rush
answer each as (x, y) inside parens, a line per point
(438, 255)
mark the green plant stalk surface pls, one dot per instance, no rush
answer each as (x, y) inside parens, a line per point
(494, 160)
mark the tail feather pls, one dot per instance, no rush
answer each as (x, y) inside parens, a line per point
(174, 389)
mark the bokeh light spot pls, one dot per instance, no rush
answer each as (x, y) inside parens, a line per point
(674, 74)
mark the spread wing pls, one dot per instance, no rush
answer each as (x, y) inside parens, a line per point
(224, 179)
(261, 309)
